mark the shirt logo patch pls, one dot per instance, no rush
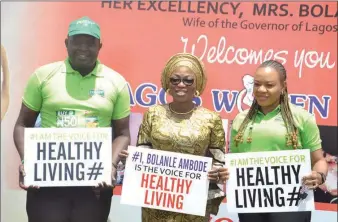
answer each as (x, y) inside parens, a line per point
(278, 119)
(92, 122)
(66, 119)
(98, 92)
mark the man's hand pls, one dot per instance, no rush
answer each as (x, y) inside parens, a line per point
(313, 180)
(22, 174)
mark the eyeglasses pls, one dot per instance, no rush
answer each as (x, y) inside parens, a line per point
(176, 81)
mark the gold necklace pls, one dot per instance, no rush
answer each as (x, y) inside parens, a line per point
(171, 110)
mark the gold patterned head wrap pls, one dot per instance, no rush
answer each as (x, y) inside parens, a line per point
(187, 60)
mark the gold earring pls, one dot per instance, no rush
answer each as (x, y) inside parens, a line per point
(197, 94)
(167, 91)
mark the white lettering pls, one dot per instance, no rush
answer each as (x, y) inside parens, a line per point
(312, 59)
(223, 53)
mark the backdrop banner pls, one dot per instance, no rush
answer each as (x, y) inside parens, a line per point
(232, 39)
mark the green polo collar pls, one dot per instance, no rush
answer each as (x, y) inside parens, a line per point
(96, 71)
(272, 113)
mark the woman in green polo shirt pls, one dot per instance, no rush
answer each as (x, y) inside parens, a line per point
(272, 124)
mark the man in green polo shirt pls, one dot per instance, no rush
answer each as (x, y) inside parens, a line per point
(77, 92)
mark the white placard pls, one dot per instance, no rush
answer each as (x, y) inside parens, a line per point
(268, 181)
(166, 180)
(67, 156)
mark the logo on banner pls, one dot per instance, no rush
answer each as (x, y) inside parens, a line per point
(245, 96)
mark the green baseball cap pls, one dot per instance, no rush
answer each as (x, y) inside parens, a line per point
(85, 26)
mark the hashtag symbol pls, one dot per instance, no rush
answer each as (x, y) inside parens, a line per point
(33, 136)
(95, 171)
(135, 157)
(232, 163)
(294, 196)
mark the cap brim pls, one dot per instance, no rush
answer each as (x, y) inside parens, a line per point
(83, 33)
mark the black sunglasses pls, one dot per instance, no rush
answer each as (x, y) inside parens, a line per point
(176, 81)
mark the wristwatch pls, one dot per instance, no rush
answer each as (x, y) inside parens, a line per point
(322, 175)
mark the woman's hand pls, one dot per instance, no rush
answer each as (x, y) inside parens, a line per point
(124, 154)
(313, 180)
(104, 185)
(218, 175)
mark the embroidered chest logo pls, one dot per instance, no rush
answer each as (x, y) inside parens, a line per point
(91, 120)
(98, 92)
(66, 118)
(278, 119)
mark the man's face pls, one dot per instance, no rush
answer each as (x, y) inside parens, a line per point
(83, 50)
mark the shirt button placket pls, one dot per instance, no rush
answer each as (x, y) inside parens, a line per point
(82, 88)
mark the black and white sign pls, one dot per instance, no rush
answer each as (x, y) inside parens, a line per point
(67, 156)
(268, 182)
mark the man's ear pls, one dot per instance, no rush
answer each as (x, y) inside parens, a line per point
(66, 42)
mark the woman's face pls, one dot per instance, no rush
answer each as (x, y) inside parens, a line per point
(267, 86)
(182, 84)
